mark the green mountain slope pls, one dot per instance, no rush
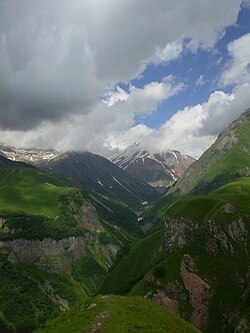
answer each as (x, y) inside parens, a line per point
(227, 159)
(200, 264)
(118, 314)
(98, 174)
(56, 243)
(31, 191)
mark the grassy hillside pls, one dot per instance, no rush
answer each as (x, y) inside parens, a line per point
(118, 314)
(226, 160)
(98, 174)
(36, 205)
(31, 191)
(56, 244)
(132, 262)
(210, 206)
(213, 232)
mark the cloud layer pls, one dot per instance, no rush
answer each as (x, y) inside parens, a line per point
(59, 57)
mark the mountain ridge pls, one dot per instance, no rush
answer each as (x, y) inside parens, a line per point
(155, 168)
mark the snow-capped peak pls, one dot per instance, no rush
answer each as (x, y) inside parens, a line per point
(136, 160)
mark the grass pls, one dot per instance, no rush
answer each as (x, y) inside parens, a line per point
(225, 271)
(218, 165)
(30, 191)
(118, 314)
(131, 267)
(210, 206)
(35, 205)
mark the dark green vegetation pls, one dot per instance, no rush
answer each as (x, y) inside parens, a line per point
(132, 263)
(118, 314)
(213, 230)
(204, 247)
(56, 244)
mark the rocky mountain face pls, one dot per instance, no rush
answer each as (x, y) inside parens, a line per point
(84, 169)
(96, 173)
(32, 156)
(59, 243)
(159, 169)
(198, 266)
(7, 163)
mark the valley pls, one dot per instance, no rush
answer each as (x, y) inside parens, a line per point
(124, 166)
(86, 244)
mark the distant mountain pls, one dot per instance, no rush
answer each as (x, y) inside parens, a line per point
(226, 160)
(27, 155)
(201, 255)
(56, 244)
(7, 163)
(159, 169)
(96, 173)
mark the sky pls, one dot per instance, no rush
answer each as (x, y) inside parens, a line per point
(99, 75)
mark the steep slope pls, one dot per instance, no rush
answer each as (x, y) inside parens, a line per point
(118, 314)
(56, 244)
(199, 265)
(96, 173)
(7, 163)
(156, 169)
(227, 159)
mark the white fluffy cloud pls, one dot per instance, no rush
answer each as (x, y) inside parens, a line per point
(58, 56)
(97, 130)
(237, 70)
(170, 52)
(193, 129)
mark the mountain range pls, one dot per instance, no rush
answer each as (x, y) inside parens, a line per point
(197, 264)
(74, 225)
(157, 169)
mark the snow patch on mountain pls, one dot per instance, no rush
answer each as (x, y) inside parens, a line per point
(27, 155)
(152, 167)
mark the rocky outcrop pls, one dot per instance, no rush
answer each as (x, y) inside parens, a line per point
(243, 326)
(228, 208)
(86, 215)
(178, 232)
(162, 299)
(54, 297)
(58, 255)
(217, 240)
(199, 291)
(48, 254)
(3, 226)
(220, 239)
(237, 230)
